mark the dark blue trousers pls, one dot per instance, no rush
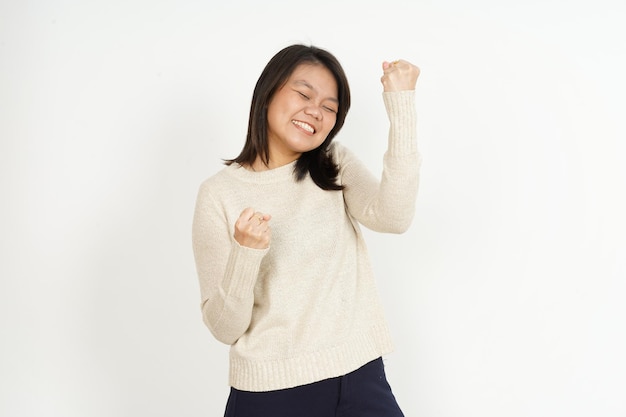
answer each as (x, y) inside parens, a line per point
(362, 393)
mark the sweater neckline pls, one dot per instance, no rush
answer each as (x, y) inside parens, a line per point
(282, 173)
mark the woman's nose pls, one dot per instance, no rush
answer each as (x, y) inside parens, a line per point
(314, 111)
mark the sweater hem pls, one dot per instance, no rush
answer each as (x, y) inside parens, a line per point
(270, 375)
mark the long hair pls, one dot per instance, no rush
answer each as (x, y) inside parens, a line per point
(318, 163)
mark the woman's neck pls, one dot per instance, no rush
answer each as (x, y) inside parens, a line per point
(259, 165)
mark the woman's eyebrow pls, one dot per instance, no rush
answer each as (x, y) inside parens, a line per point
(310, 87)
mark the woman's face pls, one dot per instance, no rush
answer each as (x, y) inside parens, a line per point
(302, 113)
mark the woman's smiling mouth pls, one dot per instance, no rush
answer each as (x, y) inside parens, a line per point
(307, 127)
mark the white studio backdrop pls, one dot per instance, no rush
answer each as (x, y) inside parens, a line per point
(505, 298)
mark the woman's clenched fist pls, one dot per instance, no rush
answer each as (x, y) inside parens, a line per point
(399, 76)
(252, 229)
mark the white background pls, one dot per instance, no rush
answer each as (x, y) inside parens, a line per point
(505, 298)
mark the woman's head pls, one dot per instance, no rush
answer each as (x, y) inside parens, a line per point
(276, 73)
(274, 77)
(301, 113)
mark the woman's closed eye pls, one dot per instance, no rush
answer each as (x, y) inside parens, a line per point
(325, 107)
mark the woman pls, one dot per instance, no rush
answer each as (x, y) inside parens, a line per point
(284, 273)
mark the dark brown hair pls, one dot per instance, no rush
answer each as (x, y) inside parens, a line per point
(318, 163)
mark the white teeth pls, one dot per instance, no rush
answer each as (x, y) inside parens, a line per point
(304, 126)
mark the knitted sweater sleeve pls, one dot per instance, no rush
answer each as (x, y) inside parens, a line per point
(226, 270)
(388, 204)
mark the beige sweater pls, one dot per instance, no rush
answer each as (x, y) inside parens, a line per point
(306, 308)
